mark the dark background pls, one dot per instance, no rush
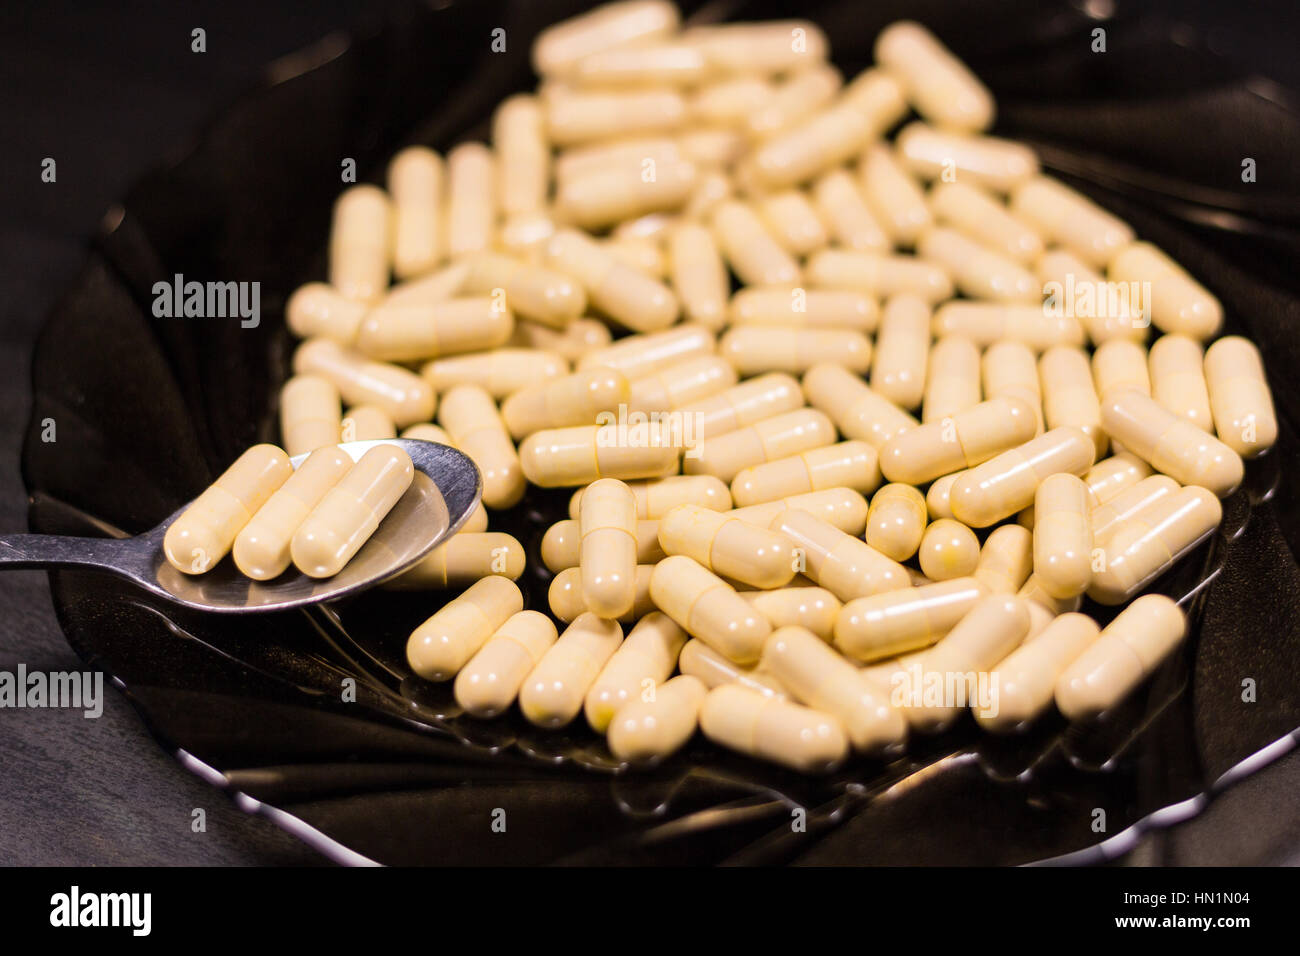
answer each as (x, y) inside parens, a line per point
(109, 90)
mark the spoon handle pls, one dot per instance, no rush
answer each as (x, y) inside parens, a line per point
(19, 551)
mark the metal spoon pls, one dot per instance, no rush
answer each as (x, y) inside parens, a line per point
(444, 491)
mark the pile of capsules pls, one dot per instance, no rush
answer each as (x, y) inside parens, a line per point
(724, 446)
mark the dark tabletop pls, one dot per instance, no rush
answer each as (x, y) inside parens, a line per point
(107, 92)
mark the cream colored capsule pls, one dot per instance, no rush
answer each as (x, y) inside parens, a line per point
(637, 356)
(774, 729)
(658, 64)
(850, 464)
(641, 253)
(805, 308)
(820, 677)
(608, 549)
(488, 684)
(699, 276)
(621, 292)
(893, 196)
(500, 372)
(712, 188)
(1176, 302)
(641, 664)
(564, 596)
(953, 382)
(1118, 364)
(1005, 484)
(627, 23)
(813, 608)
(554, 690)
(631, 188)
(427, 290)
(524, 235)
(985, 323)
(415, 183)
(531, 291)
(576, 116)
(1107, 310)
(1069, 397)
(961, 661)
(400, 332)
(712, 669)
(977, 271)
(846, 566)
(764, 47)
(1070, 219)
(648, 729)
(205, 531)
(471, 199)
(348, 514)
(360, 245)
(1148, 544)
(848, 218)
(692, 381)
(726, 545)
(948, 550)
(896, 521)
(657, 497)
(1027, 677)
(963, 439)
(1006, 560)
(793, 221)
(1108, 478)
(782, 436)
(1063, 536)
(309, 414)
(561, 544)
(366, 423)
(1172, 445)
(999, 165)
(800, 96)
(881, 275)
(583, 161)
(1239, 396)
(1178, 379)
(442, 645)
(976, 214)
(318, 309)
(575, 399)
(729, 102)
(578, 455)
(464, 558)
(1010, 370)
(885, 625)
(405, 396)
(939, 85)
(745, 404)
(708, 608)
(753, 350)
(524, 167)
(471, 418)
(1033, 593)
(842, 508)
(424, 431)
(749, 248)
(573, 342)
(856, 410)
(936, 497)
(898, 369)
(1130, 648)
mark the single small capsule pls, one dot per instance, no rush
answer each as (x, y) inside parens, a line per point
(953, 384)
(571, 343)
(749, 249)
(317, 309)
(628, 23)
(359, 243)
(489, 683)
(936, 498)
(564, 597)
(310, 411)
(464, 558)
(813, 608)
(805, 308)
(203, 534)
(896, 521)
(554, 690)
(576, 399)
(640, 253)
(1006, 560)
(805, 151)
(939, 85)
(1239, 396)
(471, 418)
(801, 95)
(754, 350)
(730, 101)
(532, 291)
(366, 423)
(1130, 648)
(578, 455)
(712, 669)
(415, 183)
(655, 498)
(1140, 550)
(848, 218)
(1069, 397)
(856, 410)
(948, 550)
(405, 396)
(657, 64)
(642, 663)
(1005, 484)
(581, 162)
(978, 272)
(849, 464)
(1033, 593)
(725, 456)
(1010, 370)
(898, 370)
(819, 676)
(348, 514)
(846, 566)
(403, 332)
(842, 508)
(442, 645)
(426, 290)
(576, 116)
(500, 373)
(1171, 444)
(1027, 677)
(1176, 302)
(893, 196)
(682, 385)
(991, 630)
(648, 730)
(1120, 364)
(740, 406)
(1178, 379)
(561, 545)
(619, 291)
(1070, 219)
(881, 275)
(618, 192)
(985, 323)
(637, 356)
(999, 165)
(1063, 536)
(607, 551)
(1108, 478)
(524, 166)
(962, 440)
(1107, 310)
(774, 729)
(984, 218)
(471, 199)
(699, 276)
(895, 622)
(708, 608)
(727, 546)
(792, 221)
(762, 47)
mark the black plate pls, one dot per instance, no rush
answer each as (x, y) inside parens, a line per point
(149, 409)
